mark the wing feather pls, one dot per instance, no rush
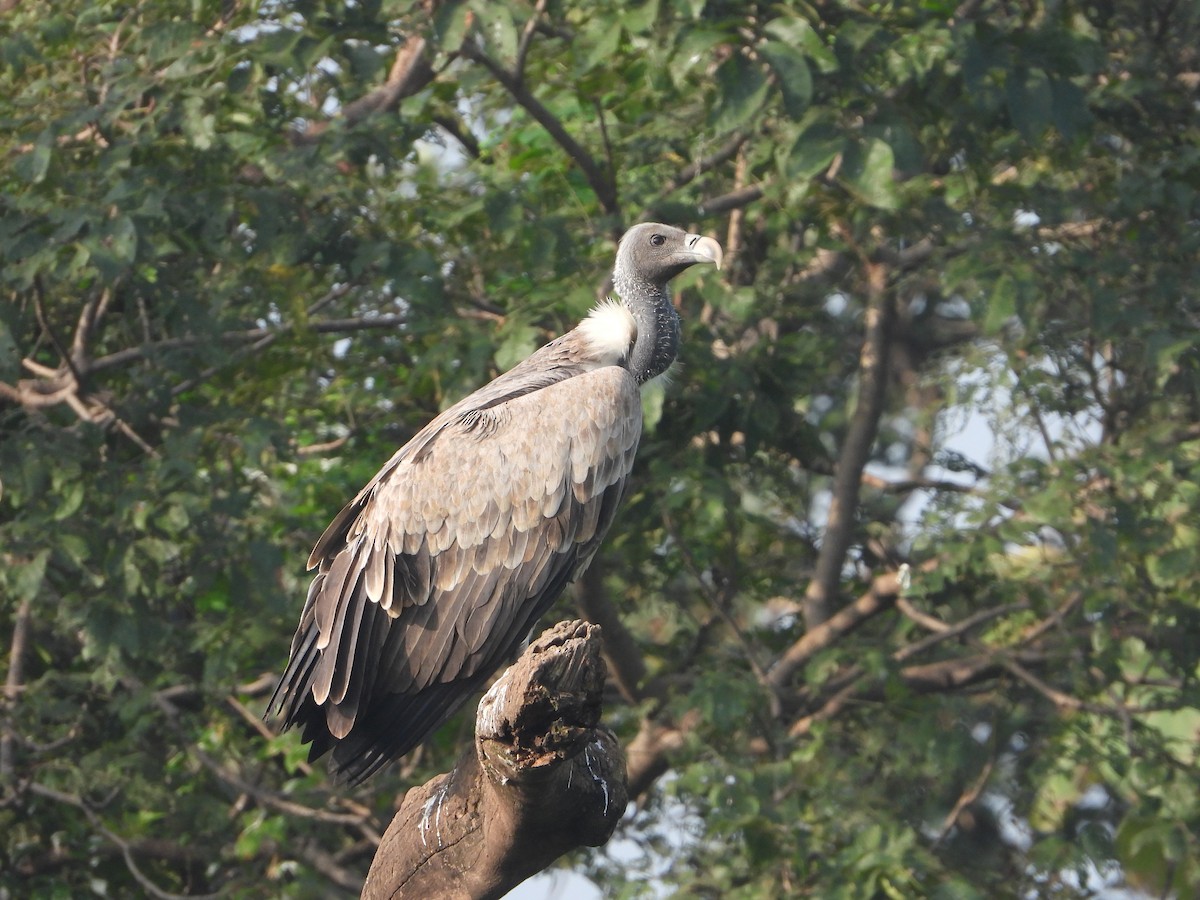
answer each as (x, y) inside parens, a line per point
(374, 570)
(336, 640)
(327, 603)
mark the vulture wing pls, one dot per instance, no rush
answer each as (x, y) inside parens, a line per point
(434, 574)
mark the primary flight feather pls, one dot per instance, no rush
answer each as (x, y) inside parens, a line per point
(432, 576)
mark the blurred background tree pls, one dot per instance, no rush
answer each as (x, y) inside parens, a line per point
(904, 600)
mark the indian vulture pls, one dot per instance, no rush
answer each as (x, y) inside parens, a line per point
(435, 573)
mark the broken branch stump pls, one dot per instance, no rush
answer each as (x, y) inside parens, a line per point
(542, 778)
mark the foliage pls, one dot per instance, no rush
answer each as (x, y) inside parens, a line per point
(248, 250)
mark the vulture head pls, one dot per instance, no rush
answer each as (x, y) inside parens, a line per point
(654, 253)
(648, 257)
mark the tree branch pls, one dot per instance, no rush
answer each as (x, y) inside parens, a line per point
(527, 40)
(626, 664)
(944, 675)
(733, 200)
(969, 796)
(461, 133)
(13, 681)
(247, 336)
(878, 597)
(695, 169)
(945, 631)
(908, 485)
(856, 448)
(648, 754)
(124, 846)
(541, 779)
(261, 795)
(89, 320)
(409, 74)
(602, 186)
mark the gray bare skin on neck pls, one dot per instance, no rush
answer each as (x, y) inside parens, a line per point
(650, 255)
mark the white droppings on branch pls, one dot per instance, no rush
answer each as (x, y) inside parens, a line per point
(433, 810)
(596, 776)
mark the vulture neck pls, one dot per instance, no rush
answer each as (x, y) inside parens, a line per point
(657, 325)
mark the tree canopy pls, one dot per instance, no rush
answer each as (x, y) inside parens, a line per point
(903, 600)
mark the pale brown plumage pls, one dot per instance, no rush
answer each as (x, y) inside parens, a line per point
(431, 577)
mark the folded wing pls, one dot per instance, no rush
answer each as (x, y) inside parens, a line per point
(430, 578)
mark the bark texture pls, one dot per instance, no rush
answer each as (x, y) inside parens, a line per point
(542, 778)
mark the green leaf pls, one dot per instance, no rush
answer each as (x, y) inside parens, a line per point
(795, 81)
(1181, 728)
(518, 343)
(603, 42)
(71, 500)
(1171, 567)
(741, 91)
(1069, 107)
(498, 29)
(799, 34)
(121, 239)
(1030, 102)
(639, 19)
(814, 149)
(450, 23)
(198, 124)
(27, 576)
(366, 62)
(32, 164)
(868, 173)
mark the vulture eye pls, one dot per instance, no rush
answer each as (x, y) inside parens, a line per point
(657, 240)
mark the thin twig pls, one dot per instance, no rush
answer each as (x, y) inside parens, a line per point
(526, 40)
(608, 150)
(695, 169)
(324, 862)
(718, 604)
(261, 795)
(246, 336)
(119, 842)
(969, 796)
(883, 590)
(322, 447)
(946, 673)
(1035, 412)
(13, 682)
(39, 297)
(268, 338)
(75, 384)
(460, 133)
(949, 632)
(89, 319)
(828, 710)
(733, 234)
(926, 621)
(256, 723)
(908, 485)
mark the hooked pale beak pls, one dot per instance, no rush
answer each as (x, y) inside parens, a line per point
(704, 249)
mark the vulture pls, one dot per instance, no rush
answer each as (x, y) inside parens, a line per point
(436, 572)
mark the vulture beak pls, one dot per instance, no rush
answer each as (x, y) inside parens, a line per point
(704, 249)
